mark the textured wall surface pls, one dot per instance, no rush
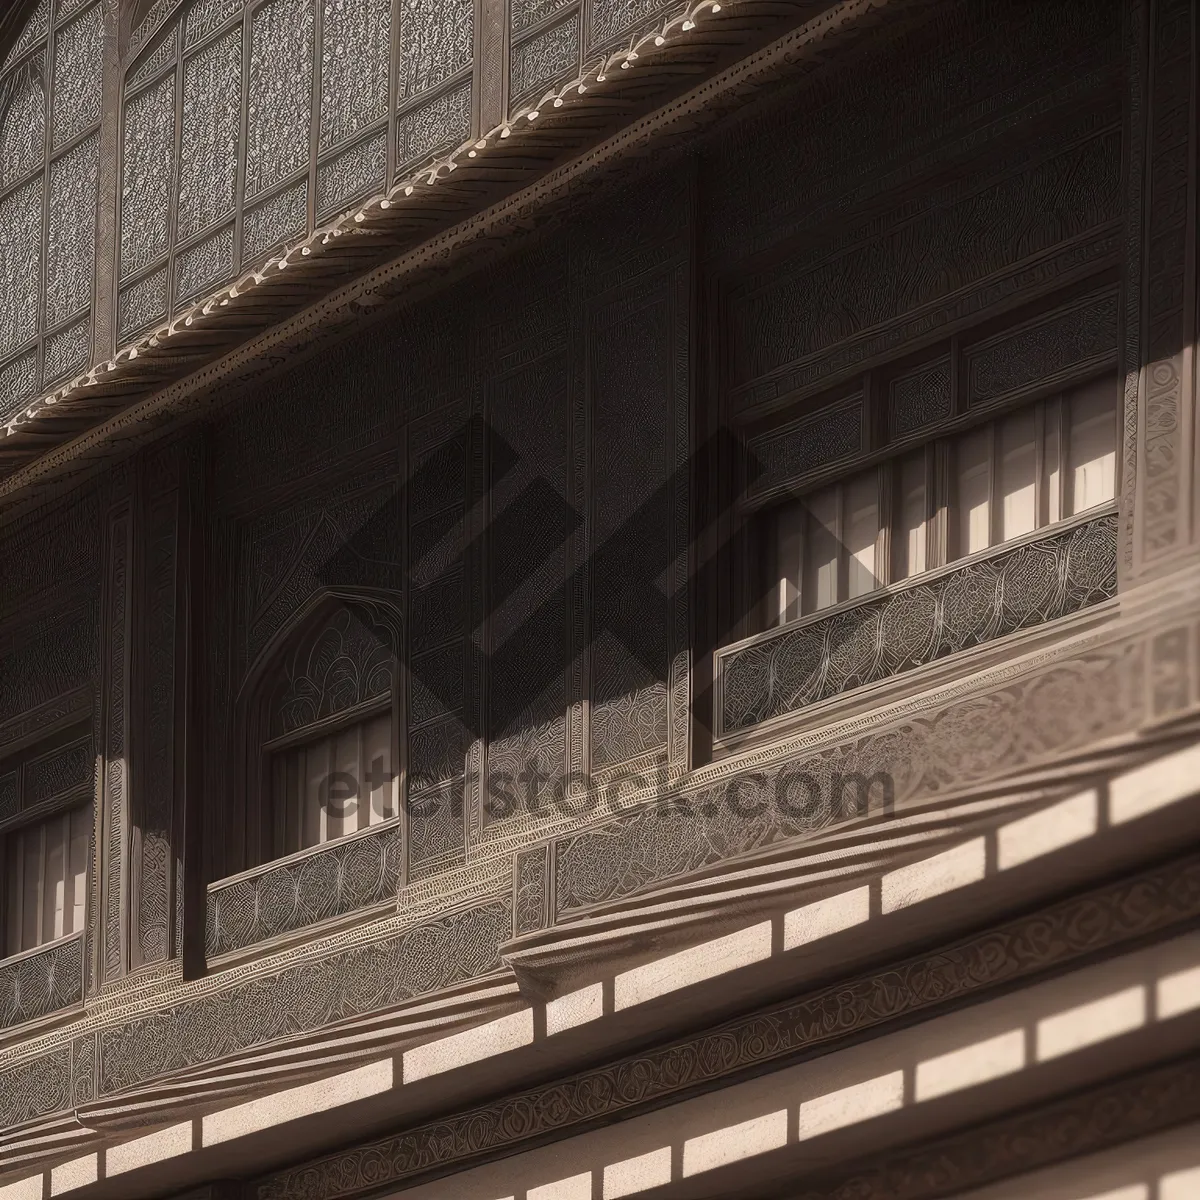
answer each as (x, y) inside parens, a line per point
(499, 481)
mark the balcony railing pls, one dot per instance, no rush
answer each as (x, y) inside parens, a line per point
(41, 982)
(317, 885)
(989, 596)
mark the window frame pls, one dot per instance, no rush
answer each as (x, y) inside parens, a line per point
(252, 843)
(748, 544)
(62, 805)
(354, 717)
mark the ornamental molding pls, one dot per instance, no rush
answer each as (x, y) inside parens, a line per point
(275, 314)
(1095, 923)
(1091, 1121)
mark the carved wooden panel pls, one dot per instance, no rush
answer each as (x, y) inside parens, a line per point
(310, 82)
(530, 521)
(36, 1087)
(42, 982)
(884, 124)
(340, 666)
(1067, 342)
(821, 1020)
(349, 874)
(1167, 382)
(917, 624)
(437, 735)
(360, 978)
(810, 443)
(48, 659)
(638, 381)
(919, 399)
(114, 815)
(786, 322)
(968, 736)
(154, 791)
(530, 881)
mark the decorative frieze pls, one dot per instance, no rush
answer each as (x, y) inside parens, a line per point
(363, 978)
(919, 986)
(969, 733)
(1066, 343)
(811, 443)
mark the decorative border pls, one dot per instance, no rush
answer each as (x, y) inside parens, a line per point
(347, 876)
(1098, 922)
(1094, 1120)
(130, 383)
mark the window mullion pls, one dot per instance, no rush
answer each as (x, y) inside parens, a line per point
(16, 922)
(938, 498)
(365, 811)
(994, 499)
(68, 889)
(39, 928)
(1041, 501)
(842, 590)
(884, 537)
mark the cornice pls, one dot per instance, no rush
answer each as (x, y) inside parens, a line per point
(474, 203)
(1096, 1119)
(1094, 924)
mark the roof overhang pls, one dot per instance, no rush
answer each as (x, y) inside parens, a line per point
(450, 217)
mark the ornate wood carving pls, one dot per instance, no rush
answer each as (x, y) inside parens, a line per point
(1099, 921)
(1166, 396)
(786, 321)
(42, 982)
(113, 816)
(922, 748)
(365, 977)
(531, 878)
(155, 666)
(1088, 1123)
(1064, 573)
(345, 876)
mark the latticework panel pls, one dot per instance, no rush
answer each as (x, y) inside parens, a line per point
(1063, 573)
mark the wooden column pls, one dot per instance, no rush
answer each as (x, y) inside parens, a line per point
(1160, 484)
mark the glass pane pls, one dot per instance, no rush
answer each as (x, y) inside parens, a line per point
(1054, 475)
(1018, 471)
(789, 548)
(820, 582)
(54, 881)
(910, 555)
(315, 775)
(862, 532)
(13, 895)
(377, 767)
(1093, 445)
(81, 836)
(31, 887)
(342, 792)
(974, 512)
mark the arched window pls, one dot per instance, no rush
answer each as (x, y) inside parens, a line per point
(326, 735)
(50, 87)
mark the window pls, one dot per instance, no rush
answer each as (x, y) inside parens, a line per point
(334, 785)
(46, 870)
(955, 497)
(324, 750)
(45, 835)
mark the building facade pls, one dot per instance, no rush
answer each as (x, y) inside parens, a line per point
(599, 598)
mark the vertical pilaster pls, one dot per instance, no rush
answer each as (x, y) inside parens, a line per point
(1163, 149)
(113, 838)
(155, 669)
